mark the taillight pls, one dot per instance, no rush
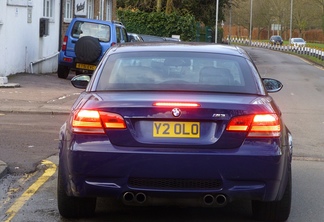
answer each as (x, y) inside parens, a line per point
(112, 121)
(260, 125)
(65, 39)
(92, 121)
(176, 104)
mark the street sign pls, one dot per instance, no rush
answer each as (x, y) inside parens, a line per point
(80, 7)
(275, 27)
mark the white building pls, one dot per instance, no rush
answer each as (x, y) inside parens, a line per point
(22, 48)
(26, 45)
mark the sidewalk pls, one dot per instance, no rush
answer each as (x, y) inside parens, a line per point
(41, 93)
(38, 93)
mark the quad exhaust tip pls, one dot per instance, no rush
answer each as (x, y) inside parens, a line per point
(130, 197)
(219, 200)
(208, 199)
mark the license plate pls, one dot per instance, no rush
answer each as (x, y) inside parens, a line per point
(85, 66)
(176, 129)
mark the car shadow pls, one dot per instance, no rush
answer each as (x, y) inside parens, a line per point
(112, 212)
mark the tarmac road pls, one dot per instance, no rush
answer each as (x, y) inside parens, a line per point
(47, 93)
(36, 93)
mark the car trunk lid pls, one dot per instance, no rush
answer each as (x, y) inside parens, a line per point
(155, 119)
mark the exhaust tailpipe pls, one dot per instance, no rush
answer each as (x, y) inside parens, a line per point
(209, 199)
(140, 198)
(221, 199)
(128, 197)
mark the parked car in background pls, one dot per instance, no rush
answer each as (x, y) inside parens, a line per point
(153, 38)
(171, 39)
(276, 40)
(85, 42)
(133, 37)
(297, 42)
(189, 124)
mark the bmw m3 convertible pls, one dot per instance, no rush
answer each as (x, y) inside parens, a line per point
(175, 123)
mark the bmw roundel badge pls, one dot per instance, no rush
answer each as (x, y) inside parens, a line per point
(176, 112)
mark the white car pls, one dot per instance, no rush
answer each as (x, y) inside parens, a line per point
(297, 41)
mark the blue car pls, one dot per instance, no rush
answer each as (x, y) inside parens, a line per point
(175, 123)
(85, 42)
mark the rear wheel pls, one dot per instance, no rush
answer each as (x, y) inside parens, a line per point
(63, 71)
(73, 207)
(274, 210)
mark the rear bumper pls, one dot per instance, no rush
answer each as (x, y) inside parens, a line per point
(63, 60)
(255, 171)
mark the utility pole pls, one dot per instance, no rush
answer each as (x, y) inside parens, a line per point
(291, 12)
(251, 12)
(216, 28)
(230, 23)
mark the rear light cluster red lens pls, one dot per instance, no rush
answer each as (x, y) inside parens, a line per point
(93, 121)
(65, 39)
(67, 59)
(261, 125)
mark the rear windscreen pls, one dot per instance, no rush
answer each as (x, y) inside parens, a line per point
(178, 71)
(100, 31)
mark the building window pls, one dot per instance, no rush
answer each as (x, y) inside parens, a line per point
(68, 11)
(90, 9)
(48, 8)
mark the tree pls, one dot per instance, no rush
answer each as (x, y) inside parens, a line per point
(320, 3)
(240, 13)
(204, 10)
(307, 14)
(158, 5)
(169, 7)
(262, 17)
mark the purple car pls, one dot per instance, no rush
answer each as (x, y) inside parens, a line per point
(175, 123)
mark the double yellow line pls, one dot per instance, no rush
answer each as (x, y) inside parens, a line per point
(12, 211)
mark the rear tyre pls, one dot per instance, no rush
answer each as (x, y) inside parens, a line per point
(274, 210)
(73, 207)
(63, 72)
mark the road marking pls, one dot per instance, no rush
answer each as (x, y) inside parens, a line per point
(12, 191)
(310, 62)
(13, 210)
(313, 159)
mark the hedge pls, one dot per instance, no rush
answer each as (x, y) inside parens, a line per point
(159, 24)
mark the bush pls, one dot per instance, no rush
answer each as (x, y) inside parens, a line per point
(159, 24)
